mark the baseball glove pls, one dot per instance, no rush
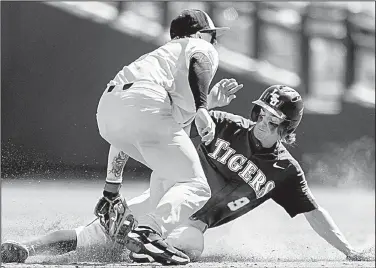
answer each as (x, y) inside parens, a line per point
(114, 215)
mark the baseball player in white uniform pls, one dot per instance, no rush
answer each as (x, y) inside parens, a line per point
(146, 112)
(95, 235)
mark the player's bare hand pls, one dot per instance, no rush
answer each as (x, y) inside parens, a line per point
(205, 126)
(364, 255)
(208, 135)
(223, 93)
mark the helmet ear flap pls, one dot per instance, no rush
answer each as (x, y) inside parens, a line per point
(255, 112)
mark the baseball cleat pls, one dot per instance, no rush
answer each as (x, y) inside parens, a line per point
(140, 258)
(13, 252)
(144, 240)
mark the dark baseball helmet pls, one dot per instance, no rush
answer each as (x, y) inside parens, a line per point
(191, 21)
(283, 102)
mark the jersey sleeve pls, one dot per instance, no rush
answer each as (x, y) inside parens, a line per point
(220, 117)
(198, 45)
(222, 120)
(294, 194)
(199, 77)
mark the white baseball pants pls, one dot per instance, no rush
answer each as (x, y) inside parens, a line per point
(139, 121)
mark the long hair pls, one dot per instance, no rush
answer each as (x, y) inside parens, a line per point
(289, 138)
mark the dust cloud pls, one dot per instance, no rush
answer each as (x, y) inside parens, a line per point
(343, 165)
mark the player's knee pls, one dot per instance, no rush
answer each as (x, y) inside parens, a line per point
(193, 254)
(92, 235)
(189, 240)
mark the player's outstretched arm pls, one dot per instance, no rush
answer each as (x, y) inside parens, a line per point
(223, 92)
(297, 198)
(323, 224)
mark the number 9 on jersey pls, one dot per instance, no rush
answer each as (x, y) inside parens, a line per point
(238, 203)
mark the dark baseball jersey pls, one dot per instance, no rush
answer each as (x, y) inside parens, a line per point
(242, 174)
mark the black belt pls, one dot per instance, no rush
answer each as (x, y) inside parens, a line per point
(125, 87)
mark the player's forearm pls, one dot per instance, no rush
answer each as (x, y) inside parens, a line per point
(115, 166)
(323, 224)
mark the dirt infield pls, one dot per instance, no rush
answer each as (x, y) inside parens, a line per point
(266, 237)
(271, 264)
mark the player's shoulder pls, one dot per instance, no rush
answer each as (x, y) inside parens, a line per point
(195, 45)
(292, 164)
(200, 44)
(240, 121)
(190, 46)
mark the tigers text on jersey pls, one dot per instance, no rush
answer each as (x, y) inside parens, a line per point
(167, 67)
(242, 175)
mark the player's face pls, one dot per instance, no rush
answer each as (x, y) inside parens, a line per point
(210, 37)
(266, 128)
